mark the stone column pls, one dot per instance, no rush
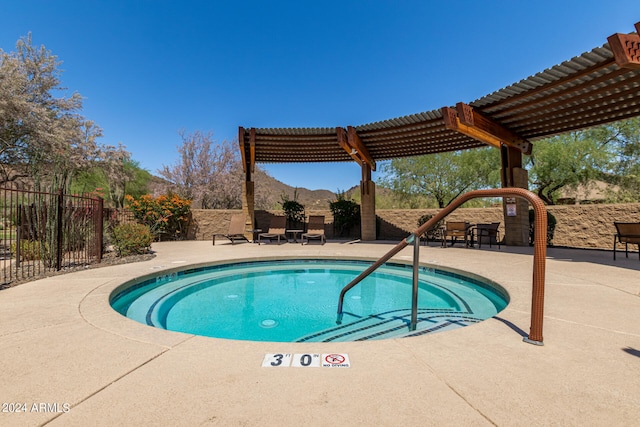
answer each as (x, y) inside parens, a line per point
(517, 226)
(516, 210)
(368, 210)
(248, 208)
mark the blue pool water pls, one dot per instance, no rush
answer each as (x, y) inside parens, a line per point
(296, 300)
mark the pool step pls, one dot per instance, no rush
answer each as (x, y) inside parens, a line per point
(393, 324)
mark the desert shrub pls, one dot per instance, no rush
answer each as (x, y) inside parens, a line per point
(166, 216)
(293, 210)
(346, 214)
(77, 223)
(131, 239)
(436, 231)
(551, 227)
(30, 250)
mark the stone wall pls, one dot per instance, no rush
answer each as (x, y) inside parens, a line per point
(591, 226)
(396, 224)
(578, 226)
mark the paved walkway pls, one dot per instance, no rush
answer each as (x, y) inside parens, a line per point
(73, 361)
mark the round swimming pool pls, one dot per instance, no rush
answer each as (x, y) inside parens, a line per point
(295, 300)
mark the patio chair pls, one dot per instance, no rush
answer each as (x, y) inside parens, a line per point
(315, 229)
(627, 232)
(236, 229)
(488, 233)
(455, 229)
(276, 230)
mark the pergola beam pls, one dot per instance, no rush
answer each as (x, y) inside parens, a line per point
(626, 48)
(252, 149)
(353, 145)
(247, 153)
(466, 120)
(343, 141)
(241, 133)
(356, 142)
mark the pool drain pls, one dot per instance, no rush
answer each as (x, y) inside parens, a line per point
(268, 323)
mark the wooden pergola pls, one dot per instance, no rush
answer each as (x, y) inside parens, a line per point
(597, 87)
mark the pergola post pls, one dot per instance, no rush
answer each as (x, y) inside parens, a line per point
(367, 206)
(516, 209)
(248, 153)
(248, 208)
(352, 144)
(466, 120)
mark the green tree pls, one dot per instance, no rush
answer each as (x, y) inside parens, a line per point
(569, 160)
(626, 170)
(609, 153)
(443, 176)
(40, 131)
(113, 185)
(43, 136)
(141, 178)
(92, 181)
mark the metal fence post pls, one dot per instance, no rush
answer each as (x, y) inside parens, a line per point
(100, 227)
(59, 235)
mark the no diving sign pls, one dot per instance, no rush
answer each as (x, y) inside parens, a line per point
(285, 360)
(335, 360)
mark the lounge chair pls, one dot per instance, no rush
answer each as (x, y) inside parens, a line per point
(627, 232)
(276, 230)
(455, 229)
(236, 229)
(487, 232)
(315, 229)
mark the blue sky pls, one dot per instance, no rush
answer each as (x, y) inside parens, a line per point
(150, 68)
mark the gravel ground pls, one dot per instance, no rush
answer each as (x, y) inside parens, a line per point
(108, 258)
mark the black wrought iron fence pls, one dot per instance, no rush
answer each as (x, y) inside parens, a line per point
(113, 217)
(43, 232)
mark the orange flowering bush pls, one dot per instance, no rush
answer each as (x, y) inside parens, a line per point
(166, 215)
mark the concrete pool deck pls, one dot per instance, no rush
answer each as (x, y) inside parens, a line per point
(70, 360)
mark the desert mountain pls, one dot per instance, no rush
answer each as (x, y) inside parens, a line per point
(269, 192)
(311, 199)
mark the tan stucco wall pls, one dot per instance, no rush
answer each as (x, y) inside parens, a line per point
(578, 226)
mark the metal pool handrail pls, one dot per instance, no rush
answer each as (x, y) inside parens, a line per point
(539, 254)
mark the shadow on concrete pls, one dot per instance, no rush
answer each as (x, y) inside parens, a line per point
(594, 256)
(512, 326)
